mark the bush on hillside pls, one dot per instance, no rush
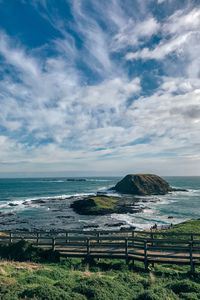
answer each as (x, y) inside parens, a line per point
(157, 293)
(48, 292)
(24, 251)
(184, 286)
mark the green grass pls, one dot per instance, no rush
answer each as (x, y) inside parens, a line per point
(191, 226)
(96, 205)
(102, 202)
(177, 231)
(71, 279)
(74, 279)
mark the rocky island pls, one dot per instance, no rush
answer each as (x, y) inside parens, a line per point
(102, 205)
(144, 185)
(129, 187)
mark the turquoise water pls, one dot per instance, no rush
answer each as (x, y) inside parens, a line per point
(29, 188)
(28, 203)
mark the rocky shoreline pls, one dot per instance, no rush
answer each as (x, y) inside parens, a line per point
(60, 214)
(97, 211)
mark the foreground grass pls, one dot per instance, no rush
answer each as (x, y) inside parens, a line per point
(73, 279)
(105, 280)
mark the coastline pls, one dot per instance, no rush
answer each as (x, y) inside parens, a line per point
(52, 210)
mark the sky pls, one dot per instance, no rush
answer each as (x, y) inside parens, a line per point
(92, 87)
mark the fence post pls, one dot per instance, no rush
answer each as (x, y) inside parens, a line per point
(133, 244)
(133, 235)
(126, 250)
(152, 239)
(192, 268)
(145, 256)
(67, 237)
(10, 237)
(53, 243)
(88, 247)
(98, 235)
(37, 240)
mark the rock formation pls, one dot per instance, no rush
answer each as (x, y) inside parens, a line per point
(102, 205)
(143, 184)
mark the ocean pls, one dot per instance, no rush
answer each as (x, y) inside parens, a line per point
(44, 203)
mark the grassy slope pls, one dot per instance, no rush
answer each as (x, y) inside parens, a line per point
(191, 226)
(105, 280)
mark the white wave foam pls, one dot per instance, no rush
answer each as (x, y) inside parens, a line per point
(20, 203)
(61, 197)
(98, 180)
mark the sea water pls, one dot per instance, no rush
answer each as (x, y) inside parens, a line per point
(44, 203)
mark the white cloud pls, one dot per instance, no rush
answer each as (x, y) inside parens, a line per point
(164, 48)
(134, 32)
(53, 118)
(183, 21)
(180, 36)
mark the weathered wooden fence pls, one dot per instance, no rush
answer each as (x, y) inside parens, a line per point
(147, 247)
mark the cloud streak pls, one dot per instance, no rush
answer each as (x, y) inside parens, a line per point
(79, 102)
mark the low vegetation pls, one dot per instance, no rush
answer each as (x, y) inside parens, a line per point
(105, 280)
(23, 251)
(75, 279)
(191, 226)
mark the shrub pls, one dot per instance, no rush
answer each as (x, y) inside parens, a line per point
(185, 286)
(190, 296)
(157, 293)
(50, 256)
(48, 292)
(148, 295)
(24, 251)
(100, 288)
(8, 292)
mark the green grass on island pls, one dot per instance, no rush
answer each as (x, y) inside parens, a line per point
(96, 205)
(74, 279)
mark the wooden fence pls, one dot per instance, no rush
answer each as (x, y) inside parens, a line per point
(147, 247)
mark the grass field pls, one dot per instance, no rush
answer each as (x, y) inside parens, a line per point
(106, 280)
(72, 279)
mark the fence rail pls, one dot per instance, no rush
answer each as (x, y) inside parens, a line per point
(147, 247)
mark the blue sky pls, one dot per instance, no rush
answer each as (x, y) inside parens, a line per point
(99, 87)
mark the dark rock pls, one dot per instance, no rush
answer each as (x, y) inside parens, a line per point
(12, 204)
(127, 228)
(178, 190)
(143, 184)
(76, 179)
(170, 217)
(7, 214)
(91, 226)
(115, 224)
(38, 201)
(64, 217)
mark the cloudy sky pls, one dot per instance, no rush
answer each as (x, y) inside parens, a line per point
(99, 87)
